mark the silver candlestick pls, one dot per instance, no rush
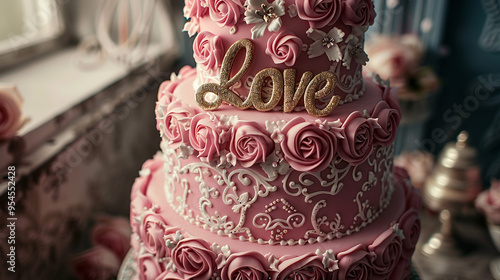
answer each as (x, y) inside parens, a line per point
(451, 190)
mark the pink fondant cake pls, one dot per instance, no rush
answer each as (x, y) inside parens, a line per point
(288, 188)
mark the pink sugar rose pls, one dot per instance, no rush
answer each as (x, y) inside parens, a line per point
(319, 13)
(176, 123)
(140, 186)
(169, 275)
(187, 72)
(141, 183)
(309, 266)
(358, 12)
(152, 165)
(388, 120)
(284, 48)
(488, 202)
(138, 204)
(413, 198)
(250, 143)
(148, 267)
(208, 50)
(98, 263)
(139, 200)
(306, 147)
(402, 270)
(412, 194)
(151, 231)
(358, 142)
(147, 168)
(225, 12)
(204, 136)
(11, 119)
(409, 223)
(192, 26)
(388, 249)
(168, 87)
(112, 233)
(169, 235)
(160, 111)
(246, 266)
(166, 91)
(401, 173)
(390, 95)
(194, 259)
(195, 8)
(355, 264)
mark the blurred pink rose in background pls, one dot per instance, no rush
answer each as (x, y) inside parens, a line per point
(113, 233)
(399, 59)
(394, 57)
(11, 119)
(418, 164)
(110, 243)
(488, 202)
(98, 263)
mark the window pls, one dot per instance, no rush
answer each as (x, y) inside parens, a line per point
(28, 28)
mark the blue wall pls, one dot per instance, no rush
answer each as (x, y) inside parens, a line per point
(469, 99)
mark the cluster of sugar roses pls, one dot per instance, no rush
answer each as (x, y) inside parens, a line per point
(167, 252)
(307, 146)
(266, 15)
(283, 46)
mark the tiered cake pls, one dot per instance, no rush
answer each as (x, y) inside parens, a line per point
(276, 156)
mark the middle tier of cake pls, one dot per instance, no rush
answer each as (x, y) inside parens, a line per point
(276, 178)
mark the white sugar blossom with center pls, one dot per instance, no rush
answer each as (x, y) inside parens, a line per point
(353, 49)
(264, 15)
(325, 43)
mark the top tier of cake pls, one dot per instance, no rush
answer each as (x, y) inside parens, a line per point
(306, 35)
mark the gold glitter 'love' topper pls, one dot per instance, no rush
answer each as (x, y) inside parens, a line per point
(310, 87)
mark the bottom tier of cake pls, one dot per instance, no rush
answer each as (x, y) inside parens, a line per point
(167, 247)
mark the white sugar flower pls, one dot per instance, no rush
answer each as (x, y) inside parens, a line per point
(325, 43)
(185, 151)
(264, 15)
(292, 10)
(353, 49)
